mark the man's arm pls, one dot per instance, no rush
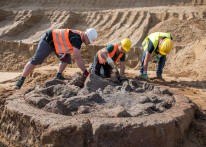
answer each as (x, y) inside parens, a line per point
(122, 68)
(104, 54)
(78, 59)
(146, 61)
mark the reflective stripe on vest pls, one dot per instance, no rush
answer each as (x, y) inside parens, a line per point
(61, 40)
(111, 55)
(154, 37)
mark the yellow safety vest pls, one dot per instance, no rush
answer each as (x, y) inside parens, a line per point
(154, 37)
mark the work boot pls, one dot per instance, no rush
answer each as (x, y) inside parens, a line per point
(59, 76)
(19, 83)
(160, 78)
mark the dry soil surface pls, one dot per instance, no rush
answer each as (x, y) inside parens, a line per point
(23, 22)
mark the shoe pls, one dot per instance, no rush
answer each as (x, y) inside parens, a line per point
(19, 83)
(59, 77)
(159, 78)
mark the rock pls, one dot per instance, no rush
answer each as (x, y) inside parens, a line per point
(118, 87)
(94, 82)
(134, 84)
(165, 91)
(147, 86)
(65, 90)
(126, 87)
(108, 89)
(48, 91)
(53, 82)
(118, 111)
(157, 90)
(78, 80)
(74, 102)
(83, 91)
(143, 99)
(37, 100)
(155, 100)
(83, 109)
(139, 90)
(57, 107)
(137, 110)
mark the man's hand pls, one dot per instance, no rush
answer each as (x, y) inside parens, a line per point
(123, 78)
(111, 62)
(156, 58)
(116, 71)
(86, 73)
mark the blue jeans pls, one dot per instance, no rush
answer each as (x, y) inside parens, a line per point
(160, 67)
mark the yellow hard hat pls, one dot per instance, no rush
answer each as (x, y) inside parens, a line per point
(126, 44)
(166, 46)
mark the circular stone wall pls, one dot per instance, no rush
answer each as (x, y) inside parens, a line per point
(96, 112)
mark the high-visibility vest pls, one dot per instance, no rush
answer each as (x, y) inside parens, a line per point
(61, 40)
(154, 37)
(111, 55)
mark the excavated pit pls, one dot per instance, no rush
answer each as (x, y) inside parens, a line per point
(96, 112)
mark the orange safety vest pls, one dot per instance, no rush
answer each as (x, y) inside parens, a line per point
(61, 40)
(102, 61)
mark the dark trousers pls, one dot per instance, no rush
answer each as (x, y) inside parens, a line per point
(103, 70)
(160, 66)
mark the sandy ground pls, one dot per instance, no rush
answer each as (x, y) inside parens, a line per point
(23, 22)
(5, 76)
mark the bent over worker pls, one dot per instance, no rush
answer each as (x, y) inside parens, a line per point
(63, 42)
(159, 44)
(107, 57)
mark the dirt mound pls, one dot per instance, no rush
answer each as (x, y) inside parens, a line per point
(89, 5)
(21, 29)
(96, 110)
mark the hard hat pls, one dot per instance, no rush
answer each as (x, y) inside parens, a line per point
(91, 34)
(166, 46)
(126, 44)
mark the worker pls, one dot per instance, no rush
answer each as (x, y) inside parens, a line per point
(157, 44)
(63, 42)
(106, 58)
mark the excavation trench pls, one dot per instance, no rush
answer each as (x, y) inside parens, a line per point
(96, 112)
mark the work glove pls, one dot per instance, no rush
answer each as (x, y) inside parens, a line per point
(156, 58)
(86, 73)
(144, 76)
(111, 62)
(113, 66)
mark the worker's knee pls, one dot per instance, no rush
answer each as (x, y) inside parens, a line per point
(36, 62)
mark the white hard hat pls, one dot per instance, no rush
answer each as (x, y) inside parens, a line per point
(91, 34)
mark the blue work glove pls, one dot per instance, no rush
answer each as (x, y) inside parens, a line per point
(144, 76)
